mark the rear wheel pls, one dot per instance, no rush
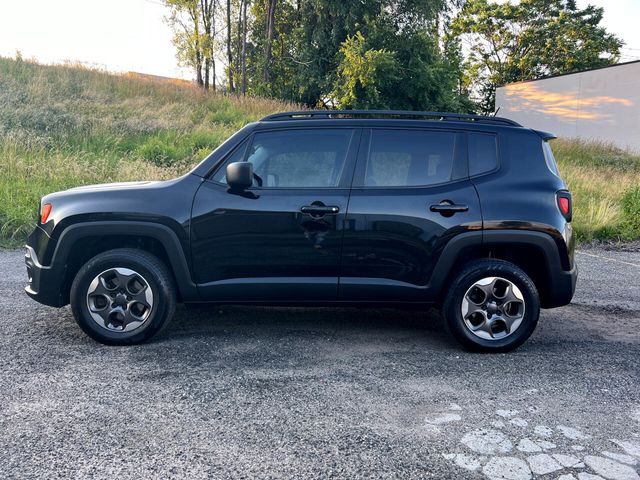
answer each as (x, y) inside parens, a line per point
(123, 297)
(492, 306)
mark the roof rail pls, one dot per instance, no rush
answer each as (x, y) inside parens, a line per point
(407, 114)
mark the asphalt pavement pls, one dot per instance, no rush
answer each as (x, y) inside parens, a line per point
(317, 393)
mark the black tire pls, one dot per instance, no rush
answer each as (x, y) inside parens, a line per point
(153, 271)
(465, 278)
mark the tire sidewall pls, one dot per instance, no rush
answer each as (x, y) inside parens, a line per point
(159, 312)
(465, 280)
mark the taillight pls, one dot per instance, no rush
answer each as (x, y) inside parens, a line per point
(564, 204)
(44, 213)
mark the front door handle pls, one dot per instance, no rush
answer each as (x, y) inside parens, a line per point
(320, 210)
(447, 208)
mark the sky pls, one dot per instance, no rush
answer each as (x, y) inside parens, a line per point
(130, 35)
(115, 35)
(621, 18)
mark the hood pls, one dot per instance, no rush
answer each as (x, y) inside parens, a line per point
(111, 186)
(120, 190)
(123, 201)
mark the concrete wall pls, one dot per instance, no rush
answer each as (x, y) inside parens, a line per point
(600, 104)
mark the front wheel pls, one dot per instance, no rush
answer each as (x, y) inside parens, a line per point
(491, 306)
(123, 297)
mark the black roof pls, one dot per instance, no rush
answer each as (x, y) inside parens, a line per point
(392, 114)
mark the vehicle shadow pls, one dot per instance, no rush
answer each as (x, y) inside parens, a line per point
(264, 321)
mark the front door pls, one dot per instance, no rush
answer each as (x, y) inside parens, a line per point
(281, 239)
(411, 195)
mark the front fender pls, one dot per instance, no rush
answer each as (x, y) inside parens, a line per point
(51, 276)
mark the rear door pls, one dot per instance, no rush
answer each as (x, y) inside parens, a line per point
(411, 194)
(281, 239)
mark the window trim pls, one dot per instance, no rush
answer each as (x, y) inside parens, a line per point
(346, 176)
(459, 157)
(243, 144)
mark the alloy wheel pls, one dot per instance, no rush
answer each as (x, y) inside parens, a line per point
(119, 299)
(493, 308)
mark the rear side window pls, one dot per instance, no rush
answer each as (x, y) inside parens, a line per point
(403, 158)
(483, 153)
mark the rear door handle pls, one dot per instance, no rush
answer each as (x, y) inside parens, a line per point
(320, 210)
(448, 208)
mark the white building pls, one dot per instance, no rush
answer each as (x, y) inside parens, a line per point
(600, 104)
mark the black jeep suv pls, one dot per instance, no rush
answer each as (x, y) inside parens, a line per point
(321, 208)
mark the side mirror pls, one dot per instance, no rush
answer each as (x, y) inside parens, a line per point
(240, 175)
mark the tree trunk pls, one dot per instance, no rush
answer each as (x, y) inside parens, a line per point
(271, 13)
(244, 47)
(193, 13)
(206, 72)
(238, 59)
(207, 10)
(199, 79)
(213, 59)
(229, 53)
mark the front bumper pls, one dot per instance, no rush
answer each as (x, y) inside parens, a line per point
(43, 282)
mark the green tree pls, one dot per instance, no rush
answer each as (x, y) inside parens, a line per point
(270, 67)
(364, 73)
(208, 18)
(530, 39)
(193, 24)
(314, 41)
(233, 46)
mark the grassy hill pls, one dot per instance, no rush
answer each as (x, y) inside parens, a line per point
(63, 126)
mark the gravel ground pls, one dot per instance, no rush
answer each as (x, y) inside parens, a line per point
(307, 393)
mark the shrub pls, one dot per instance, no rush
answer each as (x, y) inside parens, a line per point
(631, 212)
(158, 150)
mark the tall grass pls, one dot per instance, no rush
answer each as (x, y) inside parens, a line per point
(63, 126)
(602, 179)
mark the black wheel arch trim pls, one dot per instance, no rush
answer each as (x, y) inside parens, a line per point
(449, 257)
(561, 282)
(163, 234)
(562, 277)
(542, 240)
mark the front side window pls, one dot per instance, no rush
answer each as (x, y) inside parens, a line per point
(403, 158)
(296, 158)
(236, 156)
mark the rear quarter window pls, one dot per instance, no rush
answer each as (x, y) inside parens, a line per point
(483, 153)
(550, 159)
